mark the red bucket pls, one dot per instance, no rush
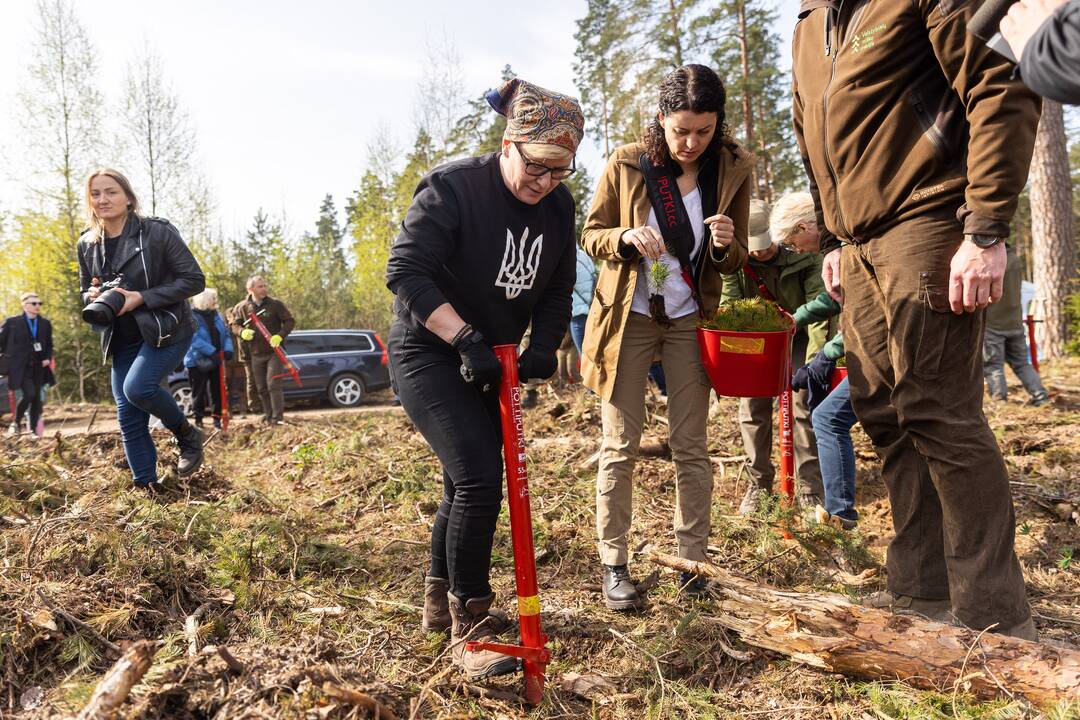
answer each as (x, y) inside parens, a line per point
(746, 364)
(838, 375)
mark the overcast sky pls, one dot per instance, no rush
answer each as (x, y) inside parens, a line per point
(286, 96)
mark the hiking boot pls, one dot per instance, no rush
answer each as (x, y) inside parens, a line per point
(530, 400)
(190, 440)
(436, 616)
(692, 584)
(1025, 631)
(823, 517)
(751, 500)
(939, 610)
(620, 593)
(471, 621)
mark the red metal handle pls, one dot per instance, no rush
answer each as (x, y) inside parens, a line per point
(224, 389)
(533, 651)
(1031, 341)
(289, 367)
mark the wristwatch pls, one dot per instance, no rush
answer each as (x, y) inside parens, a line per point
(984, 241)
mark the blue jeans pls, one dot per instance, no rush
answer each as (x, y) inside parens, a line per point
(833, 420)
(136, 384)
(577, 330)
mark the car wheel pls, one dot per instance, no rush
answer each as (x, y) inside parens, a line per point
(346, 390)
(181, 393)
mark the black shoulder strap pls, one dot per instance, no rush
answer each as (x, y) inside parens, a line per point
(671, 216)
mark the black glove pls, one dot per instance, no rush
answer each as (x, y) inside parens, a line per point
(535, 364)
(479, 365)
(816, 377)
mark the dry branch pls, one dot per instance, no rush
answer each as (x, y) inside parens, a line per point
(825, 630)
(113, 689)
(359, 699)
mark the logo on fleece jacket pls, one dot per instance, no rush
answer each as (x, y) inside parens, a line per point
(519, 265)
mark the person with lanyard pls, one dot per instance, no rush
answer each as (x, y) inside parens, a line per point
(486, 248)
(788, 278)
(148, 264)
(26, 341)
(668, 219)
(264, 368)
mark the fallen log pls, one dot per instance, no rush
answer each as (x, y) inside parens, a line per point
(827, 631)
(114, 687)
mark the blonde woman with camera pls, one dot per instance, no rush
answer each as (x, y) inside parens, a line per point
(136, 275)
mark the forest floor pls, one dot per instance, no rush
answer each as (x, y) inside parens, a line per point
(302, 548)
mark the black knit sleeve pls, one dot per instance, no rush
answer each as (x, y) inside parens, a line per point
(427, 239)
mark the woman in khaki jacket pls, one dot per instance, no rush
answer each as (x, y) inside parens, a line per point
(637, 313)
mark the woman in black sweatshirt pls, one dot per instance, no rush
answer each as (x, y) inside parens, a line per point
(486, 249)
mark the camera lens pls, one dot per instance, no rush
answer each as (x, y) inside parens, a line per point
(103, 310)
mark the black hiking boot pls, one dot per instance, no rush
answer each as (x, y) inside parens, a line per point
(620, 593)
(190, 440)
(692, 584)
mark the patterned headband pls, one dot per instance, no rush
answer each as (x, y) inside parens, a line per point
(536, 115)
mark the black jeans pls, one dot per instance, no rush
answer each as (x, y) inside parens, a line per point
(461, 425)
(32, 380)
(200, 383)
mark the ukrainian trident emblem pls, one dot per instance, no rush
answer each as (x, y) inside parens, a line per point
(519, 265)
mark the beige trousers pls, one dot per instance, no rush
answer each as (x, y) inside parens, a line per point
(623, 416)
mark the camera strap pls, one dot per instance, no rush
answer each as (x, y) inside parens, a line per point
(674, 221)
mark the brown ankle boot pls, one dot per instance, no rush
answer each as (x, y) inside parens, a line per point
(436, 606)
(471, 621)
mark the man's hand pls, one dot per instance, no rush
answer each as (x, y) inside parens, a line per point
(45, 363)
(722, 229)
(132, 300)
(976, 276)
(1024, 18)
(830, 275)
(247, 334)
(275, 340)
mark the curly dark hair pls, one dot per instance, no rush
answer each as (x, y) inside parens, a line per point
(696, 88)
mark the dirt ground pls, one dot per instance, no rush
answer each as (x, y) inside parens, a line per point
(301, 550)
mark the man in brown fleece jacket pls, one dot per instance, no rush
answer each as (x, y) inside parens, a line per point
(917, 142)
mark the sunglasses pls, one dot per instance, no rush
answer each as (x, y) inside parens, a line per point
(35, 302)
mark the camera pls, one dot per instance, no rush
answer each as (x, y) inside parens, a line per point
(103, 309)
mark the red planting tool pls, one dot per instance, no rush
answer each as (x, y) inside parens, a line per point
(533, 649)
(787, 454)
(290, 369)
(1031, 341)
(224, 390)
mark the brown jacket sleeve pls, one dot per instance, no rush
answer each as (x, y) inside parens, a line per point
(1002, 113)
(601, 236)
(829, 241)
(286, 319)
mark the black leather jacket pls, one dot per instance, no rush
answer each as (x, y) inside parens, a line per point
(154, 260)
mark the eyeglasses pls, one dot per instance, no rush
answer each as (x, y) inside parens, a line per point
(536, 169)
(33, 303)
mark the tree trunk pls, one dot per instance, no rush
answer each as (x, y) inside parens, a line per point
(676, 38)
(747, 101)
(827, 631)
(1051, 230)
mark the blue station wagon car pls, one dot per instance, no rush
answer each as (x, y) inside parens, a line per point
(337, 365)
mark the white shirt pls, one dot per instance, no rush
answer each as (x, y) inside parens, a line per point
(678, 301)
